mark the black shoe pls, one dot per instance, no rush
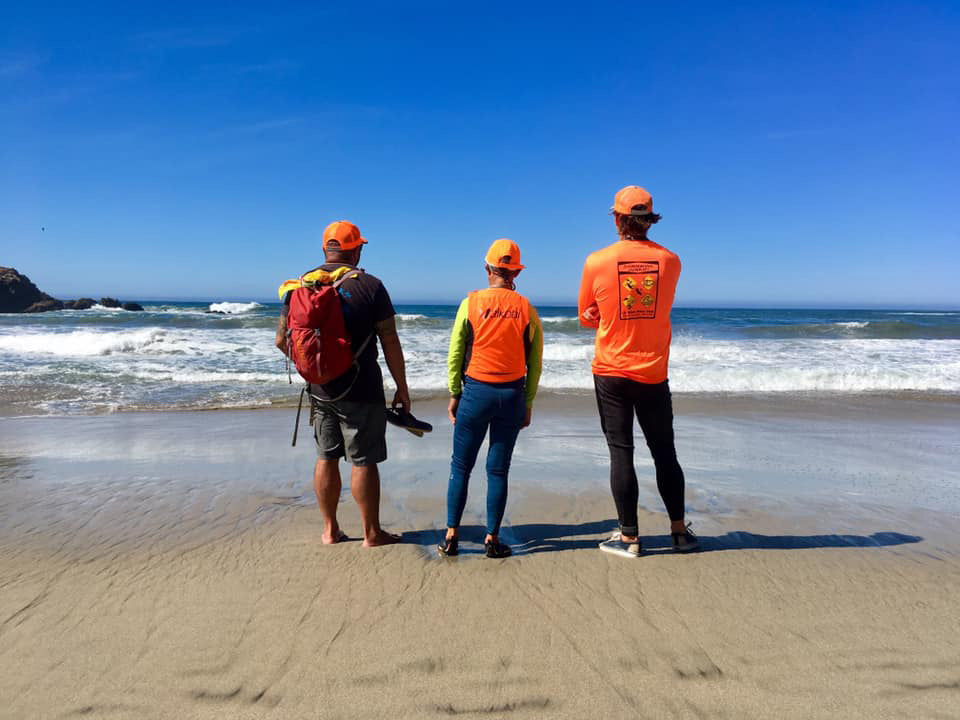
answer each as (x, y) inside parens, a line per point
(496, 549)
(408, 422)
(449, 547)
(685, 541)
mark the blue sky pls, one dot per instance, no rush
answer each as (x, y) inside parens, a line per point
(801, 154)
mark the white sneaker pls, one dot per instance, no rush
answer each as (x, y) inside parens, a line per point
(616, 546)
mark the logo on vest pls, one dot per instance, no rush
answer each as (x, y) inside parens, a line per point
(498, 314)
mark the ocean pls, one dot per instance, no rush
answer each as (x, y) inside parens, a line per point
(207, 355)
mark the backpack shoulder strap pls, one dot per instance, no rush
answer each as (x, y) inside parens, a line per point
(348, 274)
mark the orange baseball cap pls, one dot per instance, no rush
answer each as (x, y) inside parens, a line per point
(633, 200)
(345, 233)
(504, 254)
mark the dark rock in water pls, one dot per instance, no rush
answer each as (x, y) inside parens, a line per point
(87, 303)
(214, 312)
(18, 294)
(45, 306)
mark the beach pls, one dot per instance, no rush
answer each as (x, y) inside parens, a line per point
(727, 225)
(168, 564)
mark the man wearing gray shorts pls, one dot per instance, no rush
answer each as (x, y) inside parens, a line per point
(349, 415)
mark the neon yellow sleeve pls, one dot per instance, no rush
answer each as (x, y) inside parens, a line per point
(458, 348)
(535, 361)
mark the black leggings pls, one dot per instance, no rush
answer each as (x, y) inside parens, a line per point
(618, 399)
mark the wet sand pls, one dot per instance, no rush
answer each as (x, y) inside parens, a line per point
(168, 565)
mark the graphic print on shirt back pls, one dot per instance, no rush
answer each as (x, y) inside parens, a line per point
(639, 282)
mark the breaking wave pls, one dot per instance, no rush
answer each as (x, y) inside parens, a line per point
(877, 329)
(81, 343)
(178, 355)
(233, 308)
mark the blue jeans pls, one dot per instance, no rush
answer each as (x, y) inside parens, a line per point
(501, 407)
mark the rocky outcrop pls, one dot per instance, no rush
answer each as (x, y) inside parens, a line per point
(81, 304)
(18, 294)
(45, 306)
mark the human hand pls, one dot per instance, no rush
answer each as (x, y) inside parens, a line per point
(526, 419)
(402, 398)
(452, 409)
(591, 316)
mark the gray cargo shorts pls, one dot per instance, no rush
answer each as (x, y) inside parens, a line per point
(354, 430)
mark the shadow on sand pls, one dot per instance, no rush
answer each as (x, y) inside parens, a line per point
(545, 537)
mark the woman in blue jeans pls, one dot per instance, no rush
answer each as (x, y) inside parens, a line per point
(495, 358)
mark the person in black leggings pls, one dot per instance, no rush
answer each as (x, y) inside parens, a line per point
(627, 293)
(618, 400)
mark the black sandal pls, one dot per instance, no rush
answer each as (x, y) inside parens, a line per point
(449, 547)
(496, 549)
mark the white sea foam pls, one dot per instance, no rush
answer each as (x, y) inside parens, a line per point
(103, 308)
(558, 319)
(174, 310)
(219, 346)
(852, 324)
(81, 342)
(745, 366)
(410, 316)
(233, 308)
(216, 366)
(176, 375)
(567, 352)
(796, 379)
(815, 365)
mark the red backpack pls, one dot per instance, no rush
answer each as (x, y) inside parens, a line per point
(317, 339)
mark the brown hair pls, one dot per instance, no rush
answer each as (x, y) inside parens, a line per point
(508, 276)
(503, 272)
(635, 228)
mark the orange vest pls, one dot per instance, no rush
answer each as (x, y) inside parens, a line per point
(632, 284)
(498, 318)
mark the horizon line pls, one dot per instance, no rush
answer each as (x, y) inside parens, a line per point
(692, 305)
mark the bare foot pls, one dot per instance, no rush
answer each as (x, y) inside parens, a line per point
(338, 536)
(382, 538)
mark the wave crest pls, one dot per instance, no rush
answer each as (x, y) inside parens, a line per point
(233, 308)
(81, 343)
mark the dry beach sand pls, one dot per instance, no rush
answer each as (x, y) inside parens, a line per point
(167, 565)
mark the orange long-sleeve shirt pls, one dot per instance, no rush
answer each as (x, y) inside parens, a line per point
(632, 284)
